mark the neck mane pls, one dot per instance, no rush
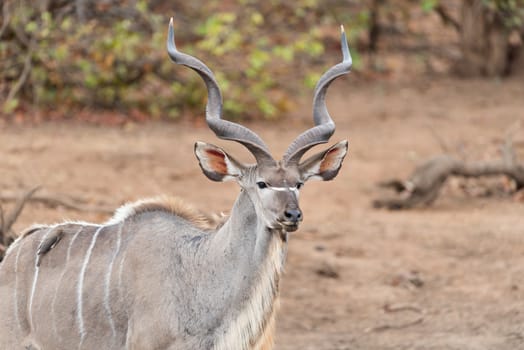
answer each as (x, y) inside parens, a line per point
(261, 263)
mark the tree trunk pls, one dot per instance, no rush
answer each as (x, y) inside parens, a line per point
(484, 41)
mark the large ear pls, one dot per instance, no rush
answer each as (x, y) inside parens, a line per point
(324, 165)
(216, 164)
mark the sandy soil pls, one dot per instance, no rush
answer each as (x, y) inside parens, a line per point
(446, 277)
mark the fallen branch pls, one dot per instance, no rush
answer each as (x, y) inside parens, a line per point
(424, 184)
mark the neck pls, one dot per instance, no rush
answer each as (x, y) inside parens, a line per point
(255, 256)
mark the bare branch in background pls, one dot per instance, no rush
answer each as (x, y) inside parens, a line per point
(426, 181)
(25, 73)
(80, 7)
(446, 17)
(57, 200)
(6, 17)
(8, 219)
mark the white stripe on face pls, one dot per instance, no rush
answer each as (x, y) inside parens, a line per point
(284, 189)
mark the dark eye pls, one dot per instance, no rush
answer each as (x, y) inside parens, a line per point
(261, 184)
(299, 185)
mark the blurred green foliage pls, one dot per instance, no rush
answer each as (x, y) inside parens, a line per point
(110, 54)
(57, 57)
(95, 63)
(511, 11)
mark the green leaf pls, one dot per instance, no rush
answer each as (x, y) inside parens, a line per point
(284, 52)
(31, 27)
(257, 18)
(428, 5)
(266, 107)
(258, 59)
(10, 105)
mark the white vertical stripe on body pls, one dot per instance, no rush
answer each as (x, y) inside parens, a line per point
(17, 311)
(81, 277)
(53, 302)
(107, 289)
(35, 281)
(120, 277)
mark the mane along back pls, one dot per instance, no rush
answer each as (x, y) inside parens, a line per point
(171, 205)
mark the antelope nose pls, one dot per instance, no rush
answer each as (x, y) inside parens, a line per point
(293, 215)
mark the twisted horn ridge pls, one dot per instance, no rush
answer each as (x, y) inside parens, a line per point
(324, 125)
(222, 128)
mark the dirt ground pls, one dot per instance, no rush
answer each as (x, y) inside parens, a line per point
(446, 277)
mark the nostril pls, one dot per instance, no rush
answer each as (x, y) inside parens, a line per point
(293, 215)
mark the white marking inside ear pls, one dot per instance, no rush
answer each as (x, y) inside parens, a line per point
(216, 163)
(232, 170)
(324, 165)
(312, 172)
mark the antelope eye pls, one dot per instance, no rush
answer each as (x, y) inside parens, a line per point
(299, 185)
(261, 184)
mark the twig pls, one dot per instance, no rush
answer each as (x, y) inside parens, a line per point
(386, 327)
(402, 307)
(25, 73)
(6, 17)
(10, 220)
(2, 251)
(447, 18)
(6, 222)
(443, 144)
(2, 224)
(57, 200)
(398, 308)
(80, 6)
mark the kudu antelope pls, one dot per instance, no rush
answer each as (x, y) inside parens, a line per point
(156, 276)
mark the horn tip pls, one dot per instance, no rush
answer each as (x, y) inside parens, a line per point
(171, 46)
(345, 47)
